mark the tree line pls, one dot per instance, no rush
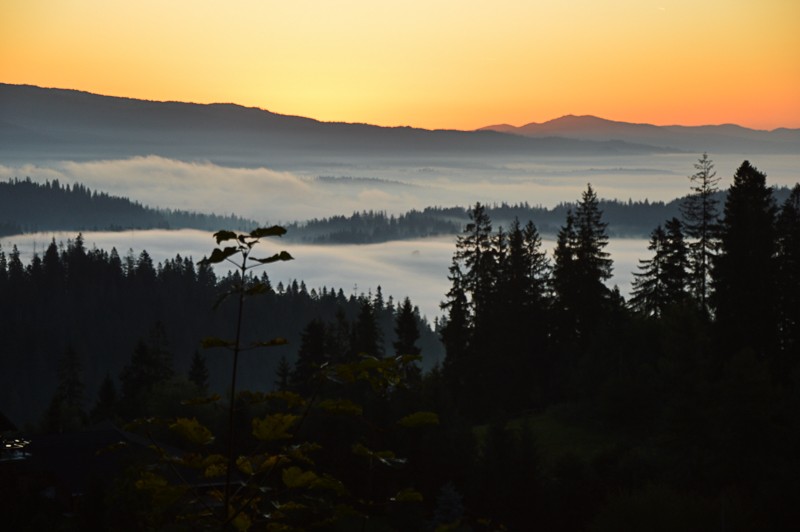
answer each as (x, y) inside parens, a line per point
(105, 308)
(694, 378)
(27, 206)
(559, 404)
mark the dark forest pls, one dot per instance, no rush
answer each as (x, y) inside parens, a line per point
(557, 405)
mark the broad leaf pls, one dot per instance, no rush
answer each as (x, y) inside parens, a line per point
(294, 477)
(219, 255)
(224, 235)
(241, 522)
(192, 430)
(291, 399)
(283, 255)
(274, 427)
(245, 465)
(261, 232)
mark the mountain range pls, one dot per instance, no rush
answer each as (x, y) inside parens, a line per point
(725, 138)
(44, 123)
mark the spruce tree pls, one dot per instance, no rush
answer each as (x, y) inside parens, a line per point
(455, 331)
(367, 336)
(648, 293)
(744, 270)
(661, 281)
(406, 330)
(701, 226)
(310, 356)
(150, 365)
(788, 279)
(581, 268)
(477, 254)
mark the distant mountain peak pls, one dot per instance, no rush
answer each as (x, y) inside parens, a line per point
(713, 138)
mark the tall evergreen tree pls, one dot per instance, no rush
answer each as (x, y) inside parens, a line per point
(648, 294)
(311, 354)
(151, 364)
(455, 331)
(662, 279)
(744, 270)
(788, 279)
(367, 337)
(581, 268)
(407, 333)
(477, 254)
(700, 218)
(406, 330)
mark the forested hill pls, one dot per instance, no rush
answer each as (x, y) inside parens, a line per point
(27, 206)
(624, 218)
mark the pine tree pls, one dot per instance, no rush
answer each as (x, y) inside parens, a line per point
(367, 337)
(744, 270)
(455, 331)
(700, 218)
(661, 281)
(581, 268)
(406, 330)
(788, 279)
(151, 364)
(310, 356)
(648, 293)
(476, 252)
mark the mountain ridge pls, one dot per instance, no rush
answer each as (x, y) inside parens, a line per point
(66, 123)
(720, 137)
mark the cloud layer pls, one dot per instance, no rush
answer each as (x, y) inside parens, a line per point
(413, 268)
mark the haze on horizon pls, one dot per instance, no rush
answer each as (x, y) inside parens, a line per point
(441, 64)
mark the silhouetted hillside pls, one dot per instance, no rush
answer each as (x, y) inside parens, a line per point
(26, 206)
(725, 138)
(56, 124)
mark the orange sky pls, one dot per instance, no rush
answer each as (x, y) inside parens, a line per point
(437, 63)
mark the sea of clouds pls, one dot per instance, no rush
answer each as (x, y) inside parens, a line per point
(413, 268)
(268, 195)
(417, 268)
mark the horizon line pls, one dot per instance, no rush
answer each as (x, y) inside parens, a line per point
(486, 127)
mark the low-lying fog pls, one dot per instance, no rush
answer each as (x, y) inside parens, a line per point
(315, 189)
(413, 268)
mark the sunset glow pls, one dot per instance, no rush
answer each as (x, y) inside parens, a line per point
(435, 64)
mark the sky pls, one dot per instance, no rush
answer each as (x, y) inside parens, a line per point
(454, 64)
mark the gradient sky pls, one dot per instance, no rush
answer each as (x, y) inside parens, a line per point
(457, 64)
